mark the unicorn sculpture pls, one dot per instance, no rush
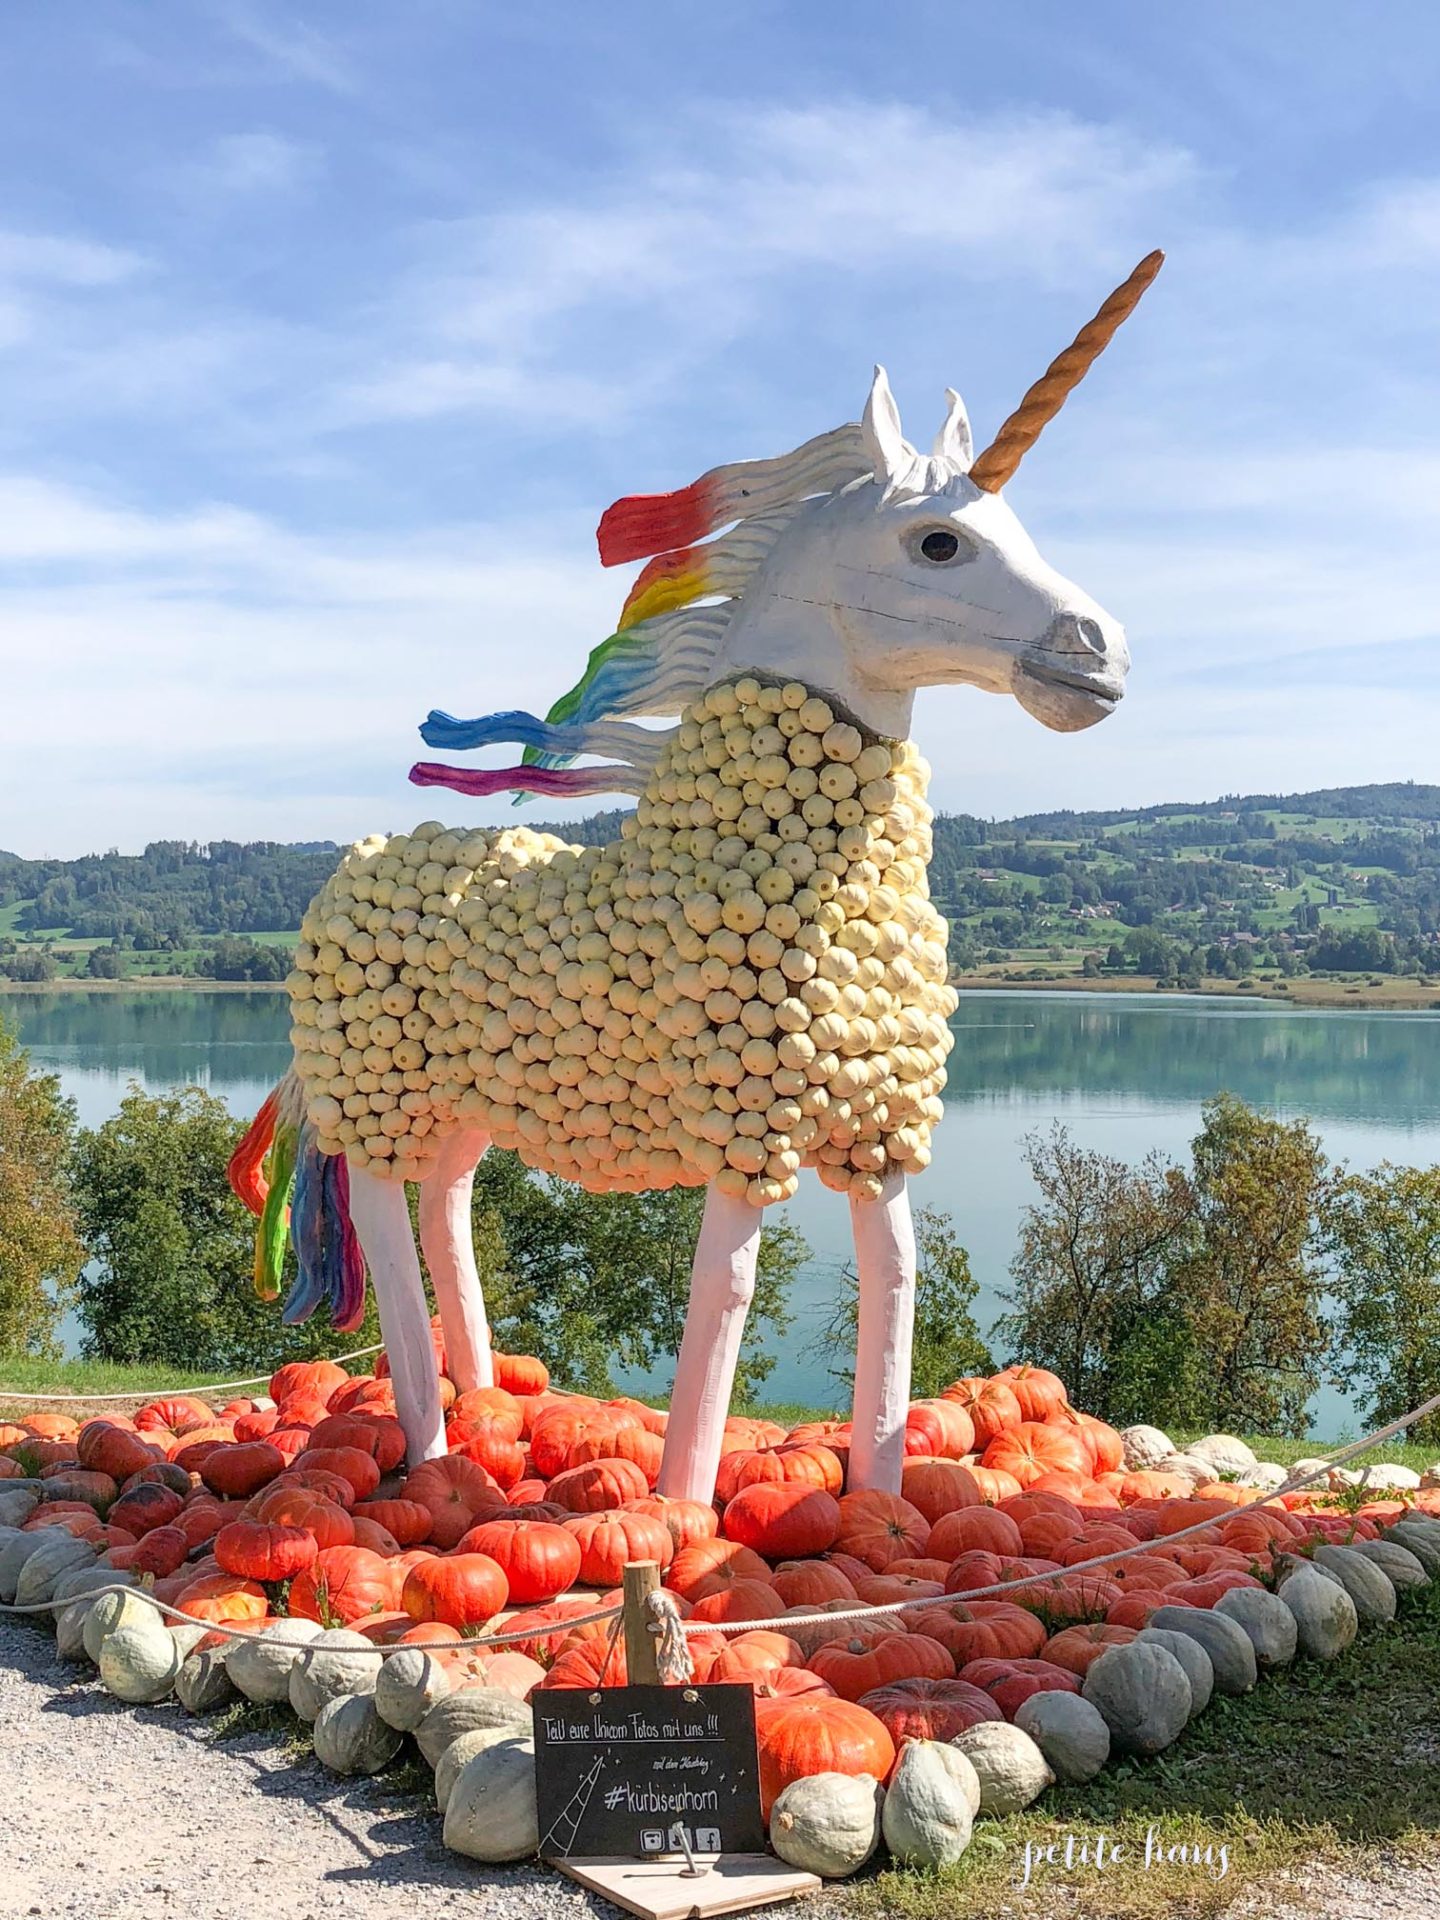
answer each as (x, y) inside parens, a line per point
(751, 980)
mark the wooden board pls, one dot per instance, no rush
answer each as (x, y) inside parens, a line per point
(661, 1890)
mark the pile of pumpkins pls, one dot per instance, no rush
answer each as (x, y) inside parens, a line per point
(293, 1525)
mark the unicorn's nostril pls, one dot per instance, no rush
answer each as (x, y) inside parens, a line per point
(1076, 633)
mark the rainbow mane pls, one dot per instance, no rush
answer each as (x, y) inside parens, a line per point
(665, 643)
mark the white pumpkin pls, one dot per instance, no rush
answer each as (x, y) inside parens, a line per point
(140, 1663)
(458, 1753)
(1232, 1658)
(1390, 1476)
(1199, 1668)
(1224, 1452)
(491, 1814)
(329, 1667)
(1325, 1618)
(1145, 1448)
(408, 1684)
(1070, 1733)
(261, 1663)
(1268, 1622)
(828, 1823)
(350, 1736)
(467, 1710)
(930, 1804)
(203, 1684)
(113, 1611)
(1010, 1766)
(1141, 1691)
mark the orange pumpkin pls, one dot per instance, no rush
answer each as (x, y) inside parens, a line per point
(238, 1470)
(865, 1660)
(1010, 1683)
(490, 1444)
(811, 1583)
(687, 1521)
(598, 1487)
(374, 1433)
(1075, 1648)
(107, 1447)
(800, 1736)
(456, 1492)
(406, 1520)
(880, 1527)
(751, 1657)
(342, 1585)
(981, 1629)
(985, 1529)
(938, 1487)
(520, 1373)
(710, 1566)
(264, 1550)
(608, 1542)
(292, 1506)
(559, 1429)
(224, 1597)
(941, 1429)
(992, 1407)
(740, 1600)
(177, 1411)
(1040, 1394)
(460, 1589)
(1036, 1447)
(307, 1380)
(783, 1521)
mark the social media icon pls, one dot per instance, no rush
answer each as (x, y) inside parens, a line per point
(652, 1840)
(707, 1840)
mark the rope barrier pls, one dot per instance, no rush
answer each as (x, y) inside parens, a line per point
(157, 1393)
(506, 1639)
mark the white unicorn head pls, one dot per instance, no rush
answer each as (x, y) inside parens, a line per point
(854, 564)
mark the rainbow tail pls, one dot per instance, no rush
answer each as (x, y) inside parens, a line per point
(300, 1196)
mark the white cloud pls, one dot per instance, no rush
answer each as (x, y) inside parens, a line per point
(677, 245)
(293, 50)
(57, 260)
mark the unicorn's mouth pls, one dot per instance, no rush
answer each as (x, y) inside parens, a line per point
(1065, 701)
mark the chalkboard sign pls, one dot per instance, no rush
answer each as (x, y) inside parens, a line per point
(617, 1768)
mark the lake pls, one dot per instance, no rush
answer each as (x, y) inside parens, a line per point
(1125, 1072)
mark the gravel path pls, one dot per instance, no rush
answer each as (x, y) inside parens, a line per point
(228, 1831)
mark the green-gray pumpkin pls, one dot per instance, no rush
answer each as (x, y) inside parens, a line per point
(930, 1804)
(350, 1736)
(1232, 1658)
(459, 1752)
(1199, 1668)
(260, 1665)
(1325, 1618)
(140, 1663)
(17, 1503)
(1070, 1733)
(1397, 1563)
(408, 1684)
(336, 1662)
(1141, 1692)
(491, 1815)
(464, 1711)
(828, 1823)
(113, 1611)
(1266, 1619)
(203, 1684)
(1407, 1533)
(59, 1553)
(1367, 1585)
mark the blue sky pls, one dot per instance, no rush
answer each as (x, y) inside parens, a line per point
(326, 332)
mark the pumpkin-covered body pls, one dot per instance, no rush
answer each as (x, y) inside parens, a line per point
(750, 980)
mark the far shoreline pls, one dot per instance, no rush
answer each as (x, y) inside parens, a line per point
(1398, 994)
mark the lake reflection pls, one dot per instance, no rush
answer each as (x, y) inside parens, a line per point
(1126, 1072)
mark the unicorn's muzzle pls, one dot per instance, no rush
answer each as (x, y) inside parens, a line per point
(1076, 674)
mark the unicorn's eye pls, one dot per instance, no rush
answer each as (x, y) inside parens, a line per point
(942, 546)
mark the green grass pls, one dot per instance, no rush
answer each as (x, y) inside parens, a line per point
(24, 1374)
(1330, 1763)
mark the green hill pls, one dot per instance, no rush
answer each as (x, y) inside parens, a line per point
(1343, 879)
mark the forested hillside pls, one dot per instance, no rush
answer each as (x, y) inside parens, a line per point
(1343, 879)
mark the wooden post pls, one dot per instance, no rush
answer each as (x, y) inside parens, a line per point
(641, 1579)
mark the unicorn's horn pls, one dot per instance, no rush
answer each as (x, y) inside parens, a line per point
(1049, 393)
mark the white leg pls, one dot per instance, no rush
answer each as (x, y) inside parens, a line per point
(450, 1255)
(885, 1263)
(722, 1284)
(382, 1221)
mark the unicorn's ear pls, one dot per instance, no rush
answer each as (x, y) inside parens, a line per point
(953, 441)
(891, 455)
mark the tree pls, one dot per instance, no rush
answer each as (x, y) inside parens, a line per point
(174, 1248)
(947, 1345)
(1091, 1274)
(1250, 1291)
(585, 1280)
(1382, 1231)
(40, 1249)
